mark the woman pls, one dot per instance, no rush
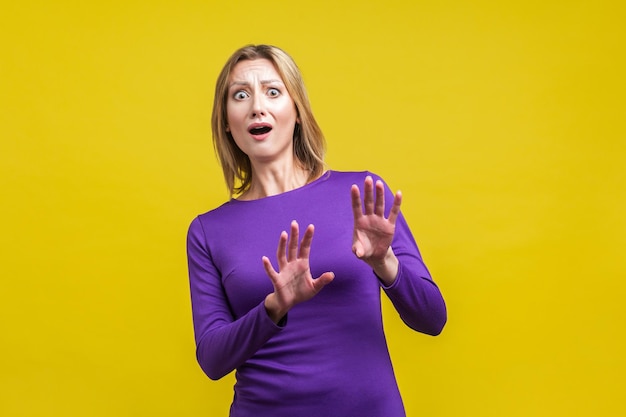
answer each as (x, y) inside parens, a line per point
(304, 334)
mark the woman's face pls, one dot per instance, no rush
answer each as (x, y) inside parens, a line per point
(260, 112)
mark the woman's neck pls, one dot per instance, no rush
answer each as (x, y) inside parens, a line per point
(273, 180)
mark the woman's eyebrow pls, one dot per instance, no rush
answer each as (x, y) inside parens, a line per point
(273, 81)
(262, 82)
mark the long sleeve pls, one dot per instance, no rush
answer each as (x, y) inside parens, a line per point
(414, 294)
(222, 343)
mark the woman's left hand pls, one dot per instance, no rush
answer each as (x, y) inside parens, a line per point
(373, 233)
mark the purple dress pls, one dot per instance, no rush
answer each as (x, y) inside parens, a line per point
(329, 356)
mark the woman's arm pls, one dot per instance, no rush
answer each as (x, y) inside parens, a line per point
(413, 293)
(222, 343)
(387, 245)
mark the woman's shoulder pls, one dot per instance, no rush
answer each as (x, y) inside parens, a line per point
(356, 177)
(219, 214)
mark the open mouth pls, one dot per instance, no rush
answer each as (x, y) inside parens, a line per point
(260, 130)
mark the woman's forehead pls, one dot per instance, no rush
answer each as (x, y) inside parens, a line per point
(260, 68)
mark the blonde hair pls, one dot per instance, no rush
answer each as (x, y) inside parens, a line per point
(309, 144)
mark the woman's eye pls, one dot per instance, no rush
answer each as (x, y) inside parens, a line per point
(273, 92)
(240, 95)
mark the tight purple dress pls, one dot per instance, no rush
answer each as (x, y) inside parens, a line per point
(328, 357)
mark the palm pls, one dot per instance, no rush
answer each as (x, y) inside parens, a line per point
(294, 283)
(372, 236)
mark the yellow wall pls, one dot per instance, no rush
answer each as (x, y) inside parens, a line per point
(502, 122)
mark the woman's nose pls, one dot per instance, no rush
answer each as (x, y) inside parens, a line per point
(258, 106)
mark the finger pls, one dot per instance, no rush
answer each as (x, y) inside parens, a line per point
(293, 241)
(368, 195)
(379, 209)
(395, 208)
(281, 254)
(356, 201)
(357, 249)
(323, 280)
(269, 269)
(305, 245)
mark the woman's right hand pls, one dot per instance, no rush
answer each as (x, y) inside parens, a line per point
(293, 283)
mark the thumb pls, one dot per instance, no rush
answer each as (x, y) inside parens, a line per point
(323, 280)
(269, 269)
(357, 249)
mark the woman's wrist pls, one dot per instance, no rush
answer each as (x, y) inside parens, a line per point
(273, 308)
(387, 269)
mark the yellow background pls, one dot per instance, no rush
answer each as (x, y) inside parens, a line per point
(502, 122)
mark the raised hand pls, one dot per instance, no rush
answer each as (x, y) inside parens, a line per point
(293, 283)
(373, 233)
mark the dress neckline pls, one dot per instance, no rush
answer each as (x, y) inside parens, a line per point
(326, 175)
